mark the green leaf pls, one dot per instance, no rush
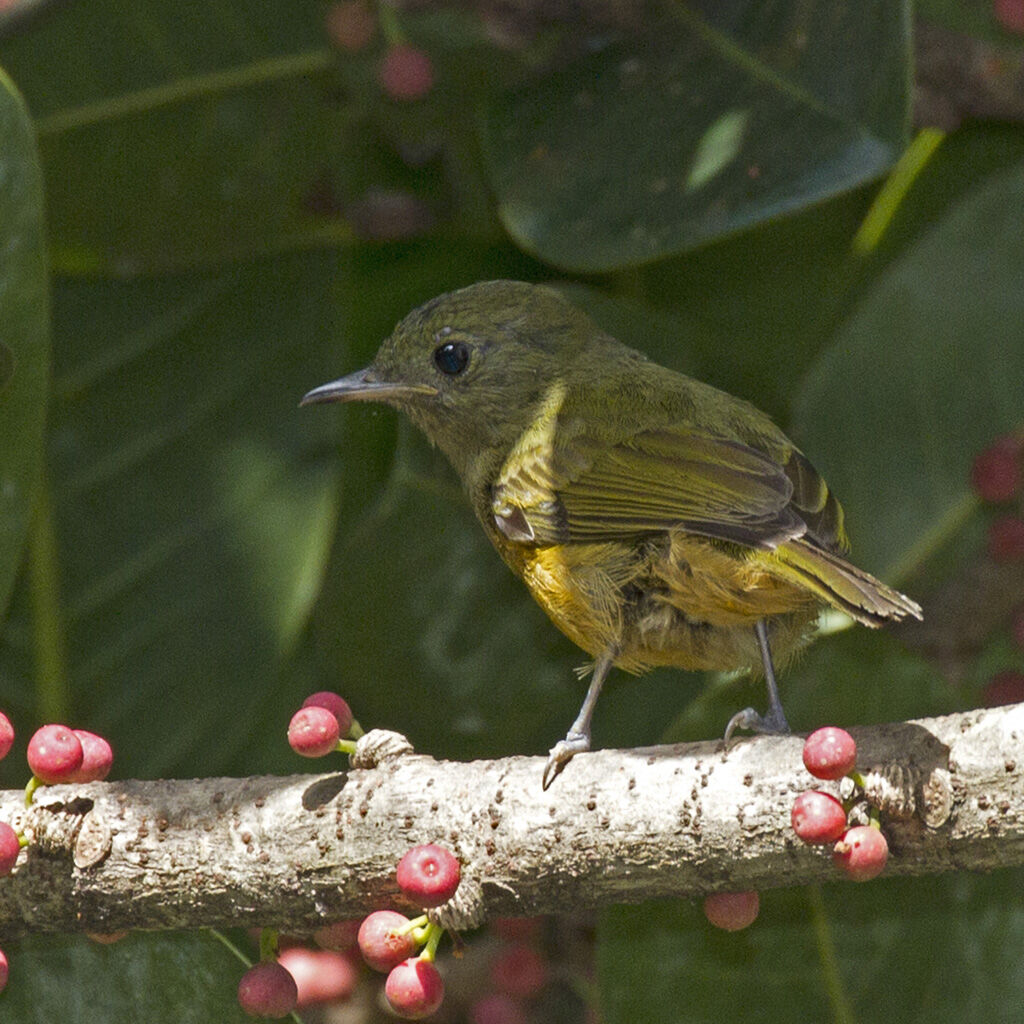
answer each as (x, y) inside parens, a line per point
(157, 979)
(925, 373)
(24, 329)
(913, 950)
(711, 120)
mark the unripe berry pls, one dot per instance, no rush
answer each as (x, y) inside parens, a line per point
(382, 940)
(996, 472)
(406, 73)
(414, 989)
(334, 703)
(267, 990)
(1005, 687)
(519, 970)
(1006, 539)
(829, 753)
(818, 817)
(320, 975)
(313, 732)
(861, 853)
(428, 875)
(9, 847)
(6, 735)
(97, 757)
(54, 754)
(732, 911)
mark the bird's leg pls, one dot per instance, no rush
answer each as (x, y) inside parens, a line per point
(774, 720)
(577, 739)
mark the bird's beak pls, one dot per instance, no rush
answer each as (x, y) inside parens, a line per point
(365, 386)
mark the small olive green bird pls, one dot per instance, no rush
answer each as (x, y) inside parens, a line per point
(657, 520)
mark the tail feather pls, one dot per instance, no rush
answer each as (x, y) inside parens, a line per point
(841, 584)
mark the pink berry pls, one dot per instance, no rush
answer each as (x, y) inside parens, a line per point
(337, 706)
(9, 847)
(321, 976)
(1006, 539)
(340, 935)
(519, 971)
(429, 875)
(829, 753)
(97, 757)
(1005, 687)
(414, 989)
(406, 73)
(497, 1008)
(1010, 15)
(996, 472)
(6, 735)
(313, 732)
(861, 853)
(382, 940)
(350, 25)
(818, 817)
(732, 911)
(267, 990)
(4, 970)
(54, 754)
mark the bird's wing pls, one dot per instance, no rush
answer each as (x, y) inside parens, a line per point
(581, 490)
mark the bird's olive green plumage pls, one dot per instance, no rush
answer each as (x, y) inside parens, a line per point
(654, 518)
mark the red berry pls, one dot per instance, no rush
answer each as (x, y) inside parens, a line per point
(337, 706)
(340, 935)
(313, 732)
(414, 989)
(267, 990)
(732, 911)
(996, 472)
(97, 757)
(406, 73)
(516, 929)
(429, 875)
(9, 847)
(861, 853)
(6, 735)
(320, 975)
(519, 971)
(382, 940)
(351, 25)
(1005, 687)
(1006, 539)
(4, 970)
(829, 753)
(54, 754)
(497, 1008)
(1010, 15)
(818, 817)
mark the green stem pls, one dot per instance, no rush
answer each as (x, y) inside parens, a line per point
(47, 623)
(842, 1012)
(346, 747)
(268, 944)
(434, 934)
(30, 790)
(355, 730)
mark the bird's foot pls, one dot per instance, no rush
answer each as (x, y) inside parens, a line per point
(773, 722)
(562, 753)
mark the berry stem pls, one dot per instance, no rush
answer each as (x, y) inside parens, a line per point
(842, 1012)
(355, 730)
(268, 944)
(434, 934)
(390, 26)
(30, 790)
(346, 747)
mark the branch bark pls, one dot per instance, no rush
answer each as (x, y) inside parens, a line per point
(617, 826)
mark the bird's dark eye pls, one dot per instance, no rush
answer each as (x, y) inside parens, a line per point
(451, 358)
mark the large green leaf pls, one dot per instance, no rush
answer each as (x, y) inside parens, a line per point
(925, 373)
(144, 979)
(24, 324)
(712, 118)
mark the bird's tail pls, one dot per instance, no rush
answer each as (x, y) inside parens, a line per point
(841, 584)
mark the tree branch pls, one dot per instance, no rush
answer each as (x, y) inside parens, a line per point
(617, 826)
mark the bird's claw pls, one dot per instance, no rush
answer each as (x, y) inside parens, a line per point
(561, 754)
(773, 722)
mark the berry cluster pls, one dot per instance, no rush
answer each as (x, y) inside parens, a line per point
(405, 72)
(997, 477)
(861, 851)
(323, 725)
(55, 754)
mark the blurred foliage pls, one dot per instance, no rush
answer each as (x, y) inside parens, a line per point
(236, 212)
